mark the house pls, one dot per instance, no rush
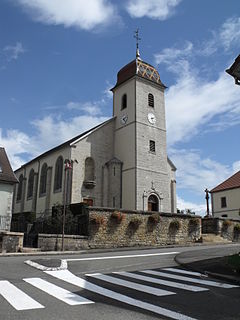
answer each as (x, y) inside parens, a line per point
(7, 182)
(226, 198)
(121, 163)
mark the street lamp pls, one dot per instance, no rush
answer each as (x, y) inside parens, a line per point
(67, 167)
(234, 70)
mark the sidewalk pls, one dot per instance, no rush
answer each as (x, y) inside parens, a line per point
(217, 267)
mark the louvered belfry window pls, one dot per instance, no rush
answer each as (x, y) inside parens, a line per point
(152, 146)
(151, 100)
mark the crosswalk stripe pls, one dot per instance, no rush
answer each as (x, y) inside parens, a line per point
(57, 292)
(188, 279)
(191, 273)
(131, 285)
(163, 282)
(17, 298)
(67, 276)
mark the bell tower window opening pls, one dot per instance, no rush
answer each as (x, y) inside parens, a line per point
(124, 102)
(152, 147)
(151, 100)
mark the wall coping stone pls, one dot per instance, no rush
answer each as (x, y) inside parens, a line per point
(166, 214)
(66, 236)
(221, 219)
(10, 233)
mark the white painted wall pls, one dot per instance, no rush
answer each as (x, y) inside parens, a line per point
(233, 203)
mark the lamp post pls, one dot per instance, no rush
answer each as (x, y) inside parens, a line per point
(207, 201)
(67, 167)
(234, 70)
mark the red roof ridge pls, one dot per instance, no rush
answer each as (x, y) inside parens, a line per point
(231, 183)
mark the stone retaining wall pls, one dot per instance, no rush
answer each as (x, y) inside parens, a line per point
(53, 242)
(227, 228)
(109, 228)
(136, 228)
(11, 241)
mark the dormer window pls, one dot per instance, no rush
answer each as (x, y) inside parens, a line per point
(151, 100)
(124, 102)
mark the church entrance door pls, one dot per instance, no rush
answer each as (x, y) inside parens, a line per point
(153, 203)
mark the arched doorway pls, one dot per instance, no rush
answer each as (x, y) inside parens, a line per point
(153, 203)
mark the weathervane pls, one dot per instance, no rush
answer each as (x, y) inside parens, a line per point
(136, 35)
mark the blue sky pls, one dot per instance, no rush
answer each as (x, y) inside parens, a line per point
(58, 60)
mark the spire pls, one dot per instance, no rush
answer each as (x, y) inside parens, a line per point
(137, 43)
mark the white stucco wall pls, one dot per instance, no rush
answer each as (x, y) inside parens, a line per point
(233, 203)
(6, 197)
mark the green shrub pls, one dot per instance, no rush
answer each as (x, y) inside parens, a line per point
(174, 225)
(237, 228)
(154, 218)
(135, 223)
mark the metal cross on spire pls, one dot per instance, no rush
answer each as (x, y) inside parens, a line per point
(136, 35)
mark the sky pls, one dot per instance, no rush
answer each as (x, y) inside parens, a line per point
(58, 60)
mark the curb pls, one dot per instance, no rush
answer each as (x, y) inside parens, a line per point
(38, 266)
(232, 279)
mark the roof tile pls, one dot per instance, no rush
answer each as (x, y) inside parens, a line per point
(230, 183)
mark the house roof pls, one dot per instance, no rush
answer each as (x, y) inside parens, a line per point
(231, 183)
(6, 173)
(66, 143)
(141, 69)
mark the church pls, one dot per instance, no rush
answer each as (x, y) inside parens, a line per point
(121, 163)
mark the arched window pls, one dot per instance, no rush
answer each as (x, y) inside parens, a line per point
(151, 100)
(43, 180)
(153, 204)
(89, 169)
(30, 184)
(124, 102)
(20, 187)
(58, 174)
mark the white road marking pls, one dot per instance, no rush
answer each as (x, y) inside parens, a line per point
(191, 273)
(163, 282)
(57, 292)
(17, 298)
(131, 285)
(123, 257)
(67, 276)
(193, 280)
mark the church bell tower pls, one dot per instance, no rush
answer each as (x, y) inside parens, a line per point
(140, 137)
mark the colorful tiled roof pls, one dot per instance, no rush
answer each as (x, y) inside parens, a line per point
(141, 69)
(6, 172)
(230, 183)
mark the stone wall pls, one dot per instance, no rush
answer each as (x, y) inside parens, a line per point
(227, 228)
(53, 242)
(109, 228)
(11, 241)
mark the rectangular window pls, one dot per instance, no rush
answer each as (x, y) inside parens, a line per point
(223, 202)
(152, 146)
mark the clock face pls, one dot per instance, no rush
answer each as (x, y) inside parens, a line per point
(151, 118)
(124, 119)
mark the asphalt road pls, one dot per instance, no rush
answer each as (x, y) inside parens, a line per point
(126, 284)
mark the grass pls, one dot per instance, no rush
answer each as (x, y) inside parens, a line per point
(234, 262)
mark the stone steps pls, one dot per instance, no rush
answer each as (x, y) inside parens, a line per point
(213, 238)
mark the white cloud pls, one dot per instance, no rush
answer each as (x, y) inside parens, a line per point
(168, 55)
(71, 13)
(87, 107)
(236, 166)
(230, 32)
(48, 133)
(192, 102)
(12, 52)
(154, 9)
(196, 173)
(199, 209)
